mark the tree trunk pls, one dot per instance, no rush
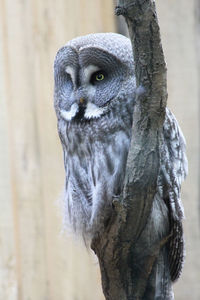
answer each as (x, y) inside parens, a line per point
(128, 263)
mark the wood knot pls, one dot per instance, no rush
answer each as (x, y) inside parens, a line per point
(120, 10)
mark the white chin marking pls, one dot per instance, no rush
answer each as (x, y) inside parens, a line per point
(68, 115)
(93, 111)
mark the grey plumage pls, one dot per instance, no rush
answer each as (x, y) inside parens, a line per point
(94, 101)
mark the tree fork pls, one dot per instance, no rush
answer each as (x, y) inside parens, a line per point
(127, 262)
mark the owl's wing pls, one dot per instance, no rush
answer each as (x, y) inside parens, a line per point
(173, 169)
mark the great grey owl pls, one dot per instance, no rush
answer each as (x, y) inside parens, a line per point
(94, 96)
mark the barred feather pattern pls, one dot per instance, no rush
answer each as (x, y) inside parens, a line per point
(95, 155)
(173, 170)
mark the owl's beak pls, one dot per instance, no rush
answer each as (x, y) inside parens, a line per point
(82, 101)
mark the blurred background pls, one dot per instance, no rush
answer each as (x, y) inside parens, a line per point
(37, 262)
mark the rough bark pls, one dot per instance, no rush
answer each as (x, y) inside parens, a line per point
(128, 268)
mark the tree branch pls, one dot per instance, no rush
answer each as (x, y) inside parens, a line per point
(127, 255)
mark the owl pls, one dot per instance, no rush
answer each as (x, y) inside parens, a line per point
(94, 97)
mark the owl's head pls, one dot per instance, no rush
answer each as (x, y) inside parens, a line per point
(90, 73)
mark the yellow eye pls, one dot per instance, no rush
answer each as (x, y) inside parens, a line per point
(99, 77)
